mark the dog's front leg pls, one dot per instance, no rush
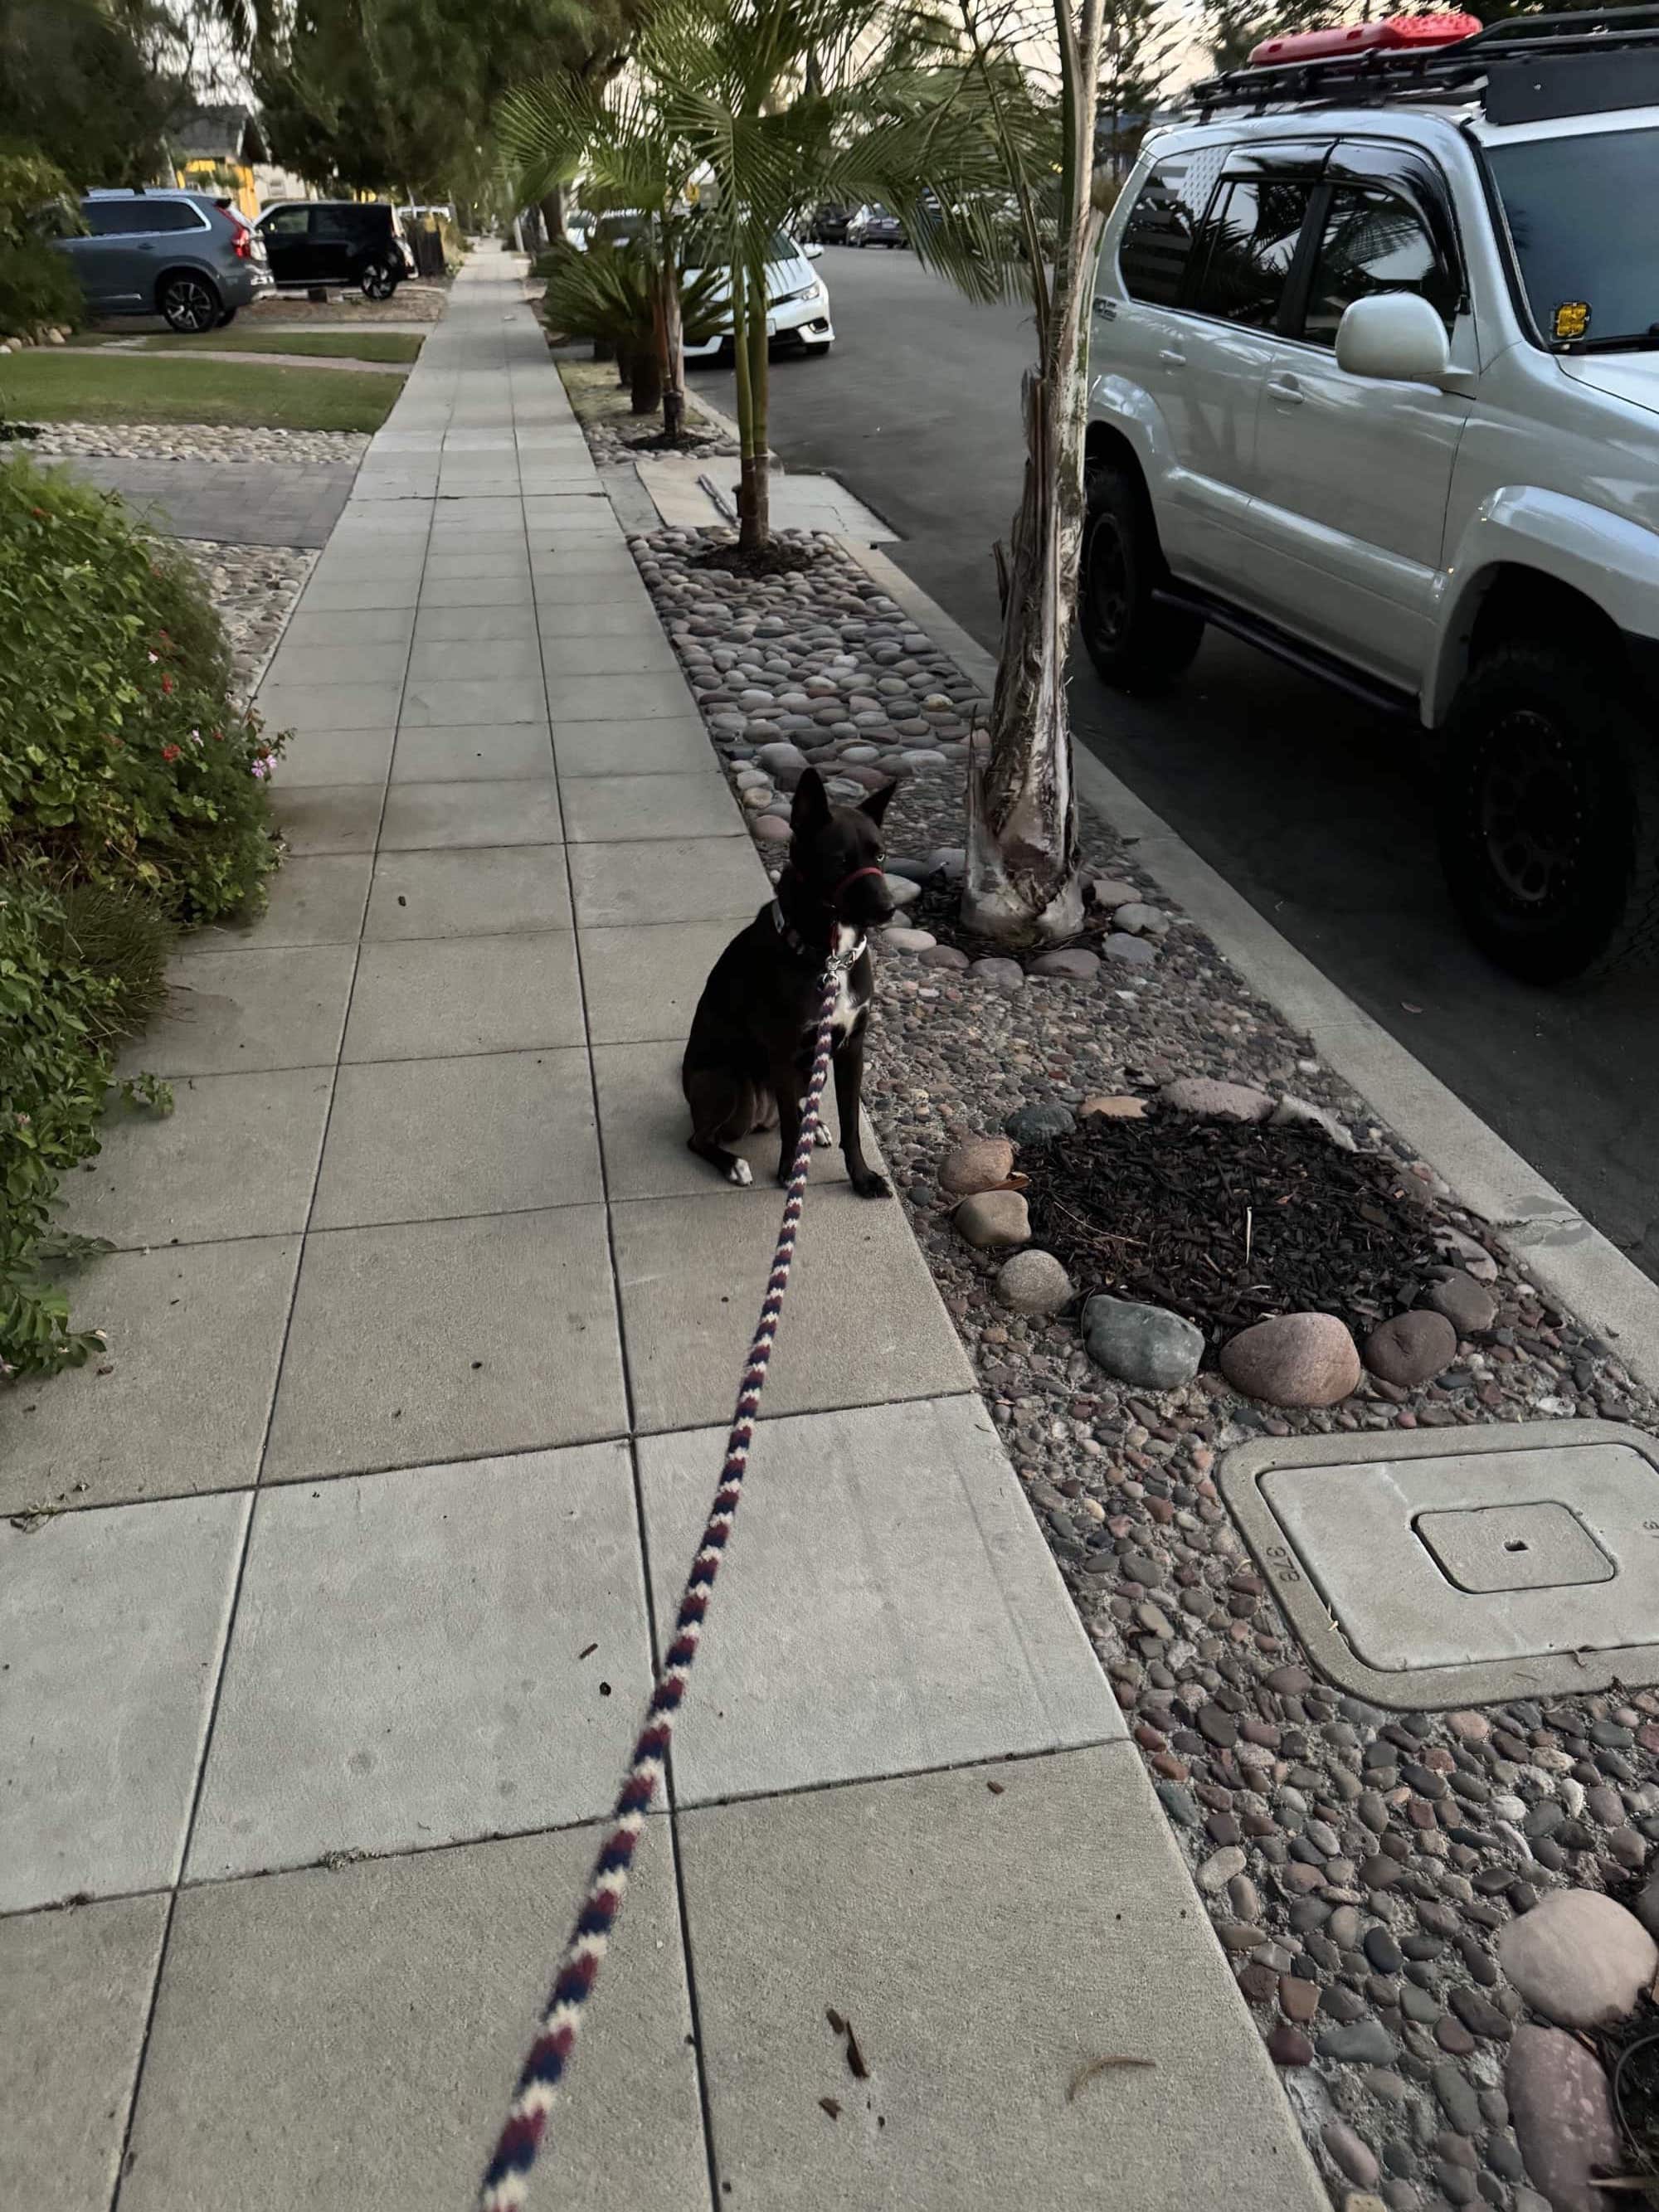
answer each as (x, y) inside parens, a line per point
(849, 1088)
(785, 1080)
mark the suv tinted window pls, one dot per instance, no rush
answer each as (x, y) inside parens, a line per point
(138, 218)
(1374, 241)
(1249, 241)
(1580, 213)
(288, 223)
(110, 218)
(1157, 240)
(335, 223)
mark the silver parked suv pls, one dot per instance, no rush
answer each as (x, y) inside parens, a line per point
(185, 256)
(1374, 383)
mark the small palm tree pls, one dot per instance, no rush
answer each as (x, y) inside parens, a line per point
(1032, 232)
(617, 134)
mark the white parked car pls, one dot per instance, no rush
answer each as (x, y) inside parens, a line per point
(1374, 383)
(797, 302)
(797, 297)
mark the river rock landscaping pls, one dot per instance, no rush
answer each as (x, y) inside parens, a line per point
(253, 590)
(192, 441)
(1437, 1919)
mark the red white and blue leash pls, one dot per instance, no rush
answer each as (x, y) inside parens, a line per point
(506, 2178)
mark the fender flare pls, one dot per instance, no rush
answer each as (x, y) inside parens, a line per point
(1607, 559)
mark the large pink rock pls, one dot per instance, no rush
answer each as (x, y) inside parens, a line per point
(1562, 2114)
(1294, 1359)
(1578, 1958)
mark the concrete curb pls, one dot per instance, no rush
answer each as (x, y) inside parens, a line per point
(1570, 1260)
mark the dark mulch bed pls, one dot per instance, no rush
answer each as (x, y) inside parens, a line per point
(1630, 2051)
(1227, 1223)
(659, 441)
(777, 559)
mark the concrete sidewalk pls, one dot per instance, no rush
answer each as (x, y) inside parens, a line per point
(424, 1327)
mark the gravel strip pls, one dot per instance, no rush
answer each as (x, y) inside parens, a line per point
(253, 588)
(409, 303)
(190, 442)
(1360, 1867)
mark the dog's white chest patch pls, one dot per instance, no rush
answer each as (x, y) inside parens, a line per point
(848, 945)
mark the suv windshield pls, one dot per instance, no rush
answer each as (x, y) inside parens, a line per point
(1580, 213)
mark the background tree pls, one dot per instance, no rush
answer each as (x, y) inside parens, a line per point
(79, 83)
(383, 93)
(1140, 42)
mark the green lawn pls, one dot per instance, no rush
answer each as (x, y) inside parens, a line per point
(342, 345)
(75, 386)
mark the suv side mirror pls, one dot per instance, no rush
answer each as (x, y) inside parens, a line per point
(812, 250)
(1395, 334)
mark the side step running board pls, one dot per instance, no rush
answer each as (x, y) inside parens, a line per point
(1382, 698)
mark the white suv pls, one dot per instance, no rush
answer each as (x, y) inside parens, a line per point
(1374, 383)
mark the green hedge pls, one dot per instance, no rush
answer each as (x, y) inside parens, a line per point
(123, 760)
(133, 800)
(38, 287)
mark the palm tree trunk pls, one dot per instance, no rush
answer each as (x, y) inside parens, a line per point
(553, 214)
(671, 345)
(1022, 883)
(645, 383)
(754, 506)
(756, 518)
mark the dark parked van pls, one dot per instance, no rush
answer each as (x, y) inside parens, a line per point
(338, 242)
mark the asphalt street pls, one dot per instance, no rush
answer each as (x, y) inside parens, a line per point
(1315, 810)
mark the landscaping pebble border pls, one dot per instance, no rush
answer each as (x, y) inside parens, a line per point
(409, 303)
(253, 588)
(1383, 1882)
(193, 441)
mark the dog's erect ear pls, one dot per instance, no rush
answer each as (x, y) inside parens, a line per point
(876, 805)
(810, 810)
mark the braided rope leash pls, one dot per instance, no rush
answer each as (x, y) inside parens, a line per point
(506, 2178)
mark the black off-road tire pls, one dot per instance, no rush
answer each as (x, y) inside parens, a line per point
(1547, 815)
(1135, 644)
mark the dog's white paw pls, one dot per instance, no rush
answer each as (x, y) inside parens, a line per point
(822, 1138)
(740, 1173)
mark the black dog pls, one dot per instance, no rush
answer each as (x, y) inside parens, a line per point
(749, 1058)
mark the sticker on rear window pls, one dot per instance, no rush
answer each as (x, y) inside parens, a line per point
(1572, 319)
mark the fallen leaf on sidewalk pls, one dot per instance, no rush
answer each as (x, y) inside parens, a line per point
(841, 2026)
(829, 2106)
(1085, 2074)
(1407, 1007)
(995, 1788)
(587, 1651)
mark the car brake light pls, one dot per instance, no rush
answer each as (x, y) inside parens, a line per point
(1390, 35)
(242, 243)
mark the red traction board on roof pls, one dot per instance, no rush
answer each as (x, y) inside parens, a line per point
(1394, 34)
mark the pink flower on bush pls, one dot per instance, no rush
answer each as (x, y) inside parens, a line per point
(170, 752)
(261, 768)
(195, 737)
(167, 683)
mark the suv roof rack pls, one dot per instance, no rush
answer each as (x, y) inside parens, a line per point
(1525, 69)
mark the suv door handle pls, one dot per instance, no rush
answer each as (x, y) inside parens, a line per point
(1172, 359)
(1285, 390)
